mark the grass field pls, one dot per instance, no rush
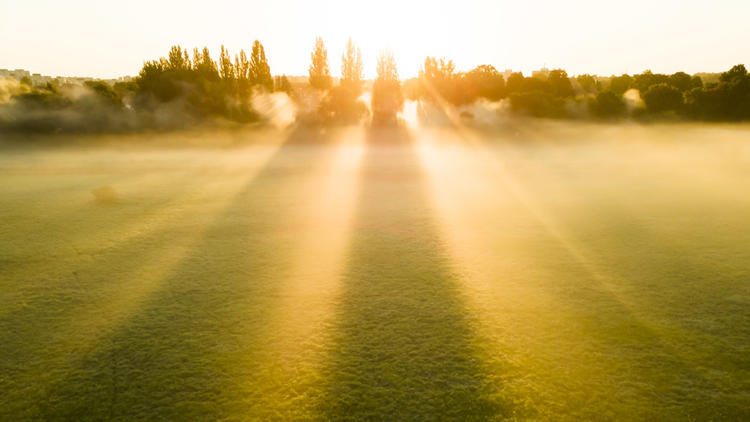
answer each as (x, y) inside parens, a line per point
(549, 272)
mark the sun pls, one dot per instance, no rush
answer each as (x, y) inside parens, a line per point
(399, 26)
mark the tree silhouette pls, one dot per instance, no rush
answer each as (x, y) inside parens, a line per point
(320, 75)
(514, 83)
(662, 97)
(226, 68)
(282, 84)
(341, 104)
(589, 83)
(438, 79)
(560, 83)
(620, 84)
(242, 70)
(486, 82)
(387, 99)
(352, 70)
(260, 72)
(607, 104)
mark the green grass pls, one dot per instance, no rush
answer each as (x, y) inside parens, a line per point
(554, 272)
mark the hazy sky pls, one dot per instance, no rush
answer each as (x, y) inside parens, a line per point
(106, 39)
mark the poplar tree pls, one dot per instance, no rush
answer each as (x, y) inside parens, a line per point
(226, 68)
(387, 99)
(260, 72)
(320, 75)
(352, 71)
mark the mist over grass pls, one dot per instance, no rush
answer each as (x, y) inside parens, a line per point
(545, 270)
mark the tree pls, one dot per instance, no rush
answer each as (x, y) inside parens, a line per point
(282, 84)
(662, 97)
(439, 81)
(105, 92)
(386, 67)
(620, 84)
(260, 71)
(242, 71)
(607, 104)
(680, 80)
(204, 66)
(588, 83)
(560, 83)
(486, 82)
(226, 68)
(320, 75)
(736, 73)
(728, 99)
(352, 70)
(696, 82)
(387, 98)
(178, 60)
(514, 82)
(647, 79)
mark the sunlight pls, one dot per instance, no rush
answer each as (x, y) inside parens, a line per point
(297, 331)
(96, 321)
(393, 210)
(485, 227)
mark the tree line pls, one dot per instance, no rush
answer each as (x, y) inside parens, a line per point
(186, 87)
(553, 93)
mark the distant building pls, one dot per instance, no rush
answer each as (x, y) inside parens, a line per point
(39, 79)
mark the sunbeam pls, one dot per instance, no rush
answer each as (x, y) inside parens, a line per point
(117, 298)
(297, 331)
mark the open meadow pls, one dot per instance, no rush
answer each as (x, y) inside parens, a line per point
(548, 271)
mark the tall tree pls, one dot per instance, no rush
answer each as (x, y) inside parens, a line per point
(226, 68)
(260, 72)
(204, 66)
(320, 75)
(352, 70)
(386, 67)
(178, 60)
(282, 84)
(242, 69)
(387, 99)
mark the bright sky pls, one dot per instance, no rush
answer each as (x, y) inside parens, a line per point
(108, 39)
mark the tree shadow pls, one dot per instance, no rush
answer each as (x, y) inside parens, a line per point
(186, 353)
(600, 328)
(403, 347)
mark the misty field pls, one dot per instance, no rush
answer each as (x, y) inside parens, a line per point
(540, 272)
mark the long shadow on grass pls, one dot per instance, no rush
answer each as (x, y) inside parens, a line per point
(403, 347)
(595, 282)
(186, 354)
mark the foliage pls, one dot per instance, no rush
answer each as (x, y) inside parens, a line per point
(484, 82)
(560, 83)
(342, 105)
(281, 84)
(607, 104)
(387, 99)
(320, 75)
(662, 97)
(589, 83)
(729, 99)
(620, 84)
(259, 71)
(352, 69)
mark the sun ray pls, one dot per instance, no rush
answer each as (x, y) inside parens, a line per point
(297, 329)
(82, 333)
